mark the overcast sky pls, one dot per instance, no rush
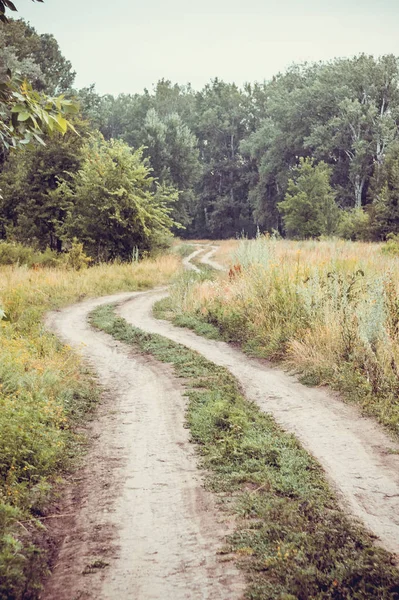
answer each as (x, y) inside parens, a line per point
(127, 45)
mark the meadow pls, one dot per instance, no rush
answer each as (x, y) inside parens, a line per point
(45, 392)
(328, 310)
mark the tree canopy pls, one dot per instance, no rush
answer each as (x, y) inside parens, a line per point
(235, 159)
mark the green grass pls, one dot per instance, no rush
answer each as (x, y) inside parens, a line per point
(184, 250)
(163, 309)
(292, 540)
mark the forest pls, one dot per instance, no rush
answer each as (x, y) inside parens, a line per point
(312, 152)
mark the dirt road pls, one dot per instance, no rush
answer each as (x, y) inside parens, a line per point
(145, 529)
(357, 455)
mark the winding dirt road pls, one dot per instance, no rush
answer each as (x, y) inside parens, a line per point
(357, 455)
(143, 526)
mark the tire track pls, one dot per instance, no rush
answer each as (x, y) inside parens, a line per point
(144, 527)
(360, 459)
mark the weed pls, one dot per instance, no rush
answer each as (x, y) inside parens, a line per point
(94, 566)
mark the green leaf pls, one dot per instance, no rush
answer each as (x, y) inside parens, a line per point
(23, 116)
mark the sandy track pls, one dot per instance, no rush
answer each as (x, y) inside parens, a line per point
(187, 261)
(207, 259)
(354, 451)
(140, 505)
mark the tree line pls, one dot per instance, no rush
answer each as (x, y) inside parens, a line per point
(312, 152)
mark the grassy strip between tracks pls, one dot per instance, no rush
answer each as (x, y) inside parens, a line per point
(292, 540)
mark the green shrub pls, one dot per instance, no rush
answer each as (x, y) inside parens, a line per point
(76, 259)
(391, 247)
(354, 225)
(17, 254)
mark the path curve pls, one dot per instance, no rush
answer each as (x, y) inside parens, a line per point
(208, 259)
(358, 456)
(190, 266)
(143, 513)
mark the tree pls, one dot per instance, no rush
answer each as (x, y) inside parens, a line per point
(365, 118)
(36, 57)
(173, 154)
(113, 206)
(384, 210)
(223, 120)
(309, 208)
(30, 211)
(27, 113)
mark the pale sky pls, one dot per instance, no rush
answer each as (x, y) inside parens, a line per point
(126, 45)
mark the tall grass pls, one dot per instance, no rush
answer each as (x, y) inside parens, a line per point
(44, 392)
(329, 310)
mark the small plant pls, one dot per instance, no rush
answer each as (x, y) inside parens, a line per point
(17, 254)
(94, 566)
(391, 247)
(76, 258)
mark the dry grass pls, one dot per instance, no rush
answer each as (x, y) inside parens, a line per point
(329, 310)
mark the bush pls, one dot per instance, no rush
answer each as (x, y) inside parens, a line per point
(17, 254)
(354, 225)
(391, 247)
(76, 259)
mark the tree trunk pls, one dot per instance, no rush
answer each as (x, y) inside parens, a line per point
(359, 185)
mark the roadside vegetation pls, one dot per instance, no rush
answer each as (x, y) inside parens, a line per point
(329, 310)
(292, 540)
(44, 393)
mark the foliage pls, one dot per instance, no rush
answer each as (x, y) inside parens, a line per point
(25, 115)
(344, 112)
(391, 247)
(44, 392)
(173, 154)
(30, 209)
(309, 208)
(223, 120)
(76, 258)
(354, 224)
(384, 191)
(291, 538)
(18, 254)
(37, 58)
(7, 4)
(126, 212)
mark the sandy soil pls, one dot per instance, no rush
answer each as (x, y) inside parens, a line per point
(144, 528)
(187, 261)
(207, 259)
(355, 452)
